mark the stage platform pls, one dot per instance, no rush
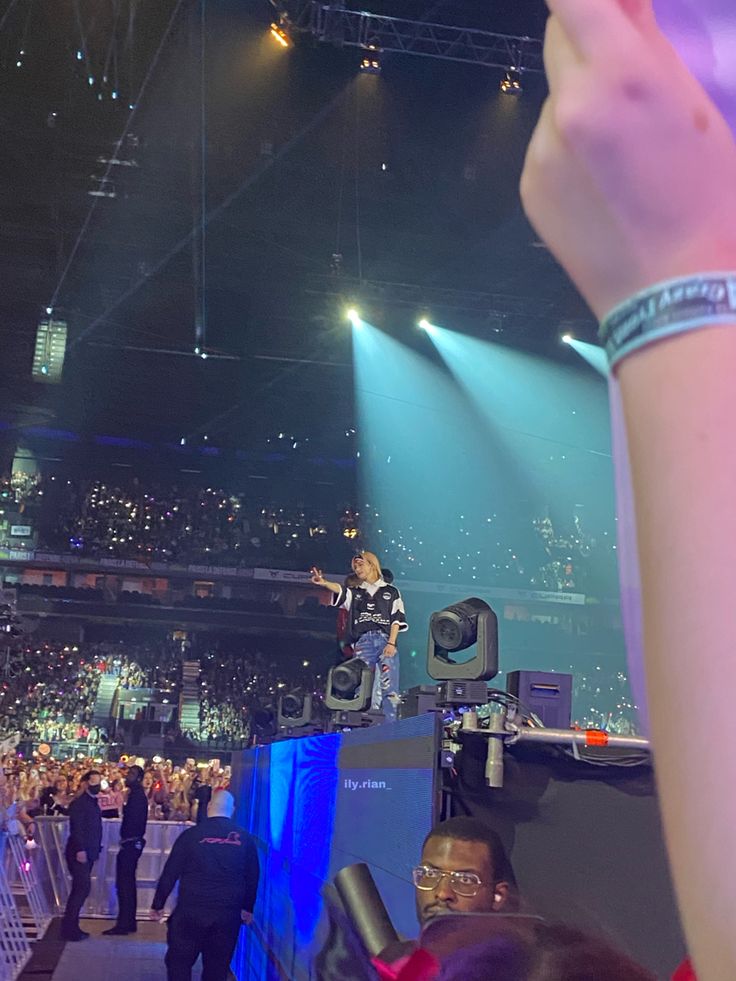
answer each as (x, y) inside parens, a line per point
(583, 835)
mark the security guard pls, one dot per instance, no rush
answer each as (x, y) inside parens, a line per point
(216, 864)
(132, 843)
(83, 848)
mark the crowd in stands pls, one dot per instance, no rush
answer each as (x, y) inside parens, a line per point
(238, 692)
(46, 688)
(603, 700)
(20, 488)
(54, 731)
(45, 786)
(538, 553)
(154, 666)
(148, 522)
(181, 525)
(235, 687)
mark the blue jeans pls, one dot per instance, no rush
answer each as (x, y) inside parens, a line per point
(385, 697)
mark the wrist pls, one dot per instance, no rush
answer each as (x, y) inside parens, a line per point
(668, 308)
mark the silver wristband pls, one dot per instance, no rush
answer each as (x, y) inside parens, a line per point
(666, 309)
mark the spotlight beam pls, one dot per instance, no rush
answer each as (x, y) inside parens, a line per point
(592, 353)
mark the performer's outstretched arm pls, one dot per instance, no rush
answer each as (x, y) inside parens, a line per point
(318, 579)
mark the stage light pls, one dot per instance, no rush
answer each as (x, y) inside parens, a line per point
(566, 338)
(292, 704)
(264, 721)
(349, 686)
(353, 316)
(511, 82)
(370, 65)
(280, 35)
(427, 326)
(456, 628)
(295, 710)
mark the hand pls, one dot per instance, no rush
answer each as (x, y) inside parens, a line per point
(246, 916)
(81, 856)
(316, 576)
(630, 176)
(390, 650)
(157, 915)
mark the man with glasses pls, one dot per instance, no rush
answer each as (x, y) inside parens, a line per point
(463, 869)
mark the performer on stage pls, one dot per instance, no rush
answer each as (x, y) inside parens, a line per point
(376, 612)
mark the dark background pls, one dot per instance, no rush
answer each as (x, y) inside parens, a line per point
(291, 174)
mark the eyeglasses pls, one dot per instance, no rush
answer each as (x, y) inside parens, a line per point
(462, 883)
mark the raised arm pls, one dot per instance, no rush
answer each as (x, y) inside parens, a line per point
(631, 180)
(318, 579)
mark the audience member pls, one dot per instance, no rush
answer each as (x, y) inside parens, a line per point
(629, 179)
(463, 868)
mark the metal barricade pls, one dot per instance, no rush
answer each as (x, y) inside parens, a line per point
(15, 951)
(52, 833)
(31, 901)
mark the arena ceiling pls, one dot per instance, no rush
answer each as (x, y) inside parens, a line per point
(321, 187)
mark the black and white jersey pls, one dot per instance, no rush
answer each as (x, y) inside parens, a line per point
(372, 606)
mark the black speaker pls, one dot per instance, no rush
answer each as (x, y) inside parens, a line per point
(547, 694)
(417, 701)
